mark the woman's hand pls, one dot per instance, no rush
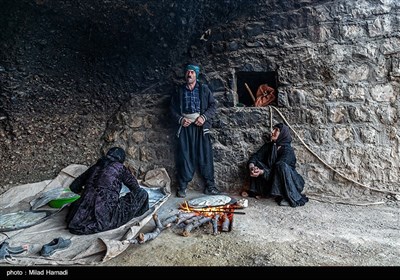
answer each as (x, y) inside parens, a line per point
(255, 171)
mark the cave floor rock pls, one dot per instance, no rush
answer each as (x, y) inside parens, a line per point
(317, 234)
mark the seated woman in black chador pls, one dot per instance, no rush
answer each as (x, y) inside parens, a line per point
(100, 206)
(273, 173)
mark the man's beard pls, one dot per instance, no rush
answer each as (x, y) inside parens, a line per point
(190, 80)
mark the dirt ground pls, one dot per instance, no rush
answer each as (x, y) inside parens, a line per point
(318, 234)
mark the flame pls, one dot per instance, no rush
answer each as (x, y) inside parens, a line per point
(208, 211)
(222, 216)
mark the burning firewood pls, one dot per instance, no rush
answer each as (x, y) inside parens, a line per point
(144, 237)
(225, 223)
(188, 221)
(192, 220)
(157, 221)
(132, 241)
(185, 216)
(214, 223)
(177, 218)
(169, 221)
(190, 227)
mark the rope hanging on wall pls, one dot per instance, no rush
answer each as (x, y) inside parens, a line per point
(325, 163)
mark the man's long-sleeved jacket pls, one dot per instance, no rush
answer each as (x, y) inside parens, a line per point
(207, 105)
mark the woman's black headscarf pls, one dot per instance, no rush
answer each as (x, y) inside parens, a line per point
(284, 135)
(113, 154)
(284, 138)
(116, 154)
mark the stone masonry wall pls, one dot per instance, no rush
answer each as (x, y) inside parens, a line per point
(338, 65)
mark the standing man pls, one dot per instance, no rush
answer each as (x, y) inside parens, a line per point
(192, 108)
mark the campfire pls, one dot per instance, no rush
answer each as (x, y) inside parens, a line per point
(217, 212)
(220, 217)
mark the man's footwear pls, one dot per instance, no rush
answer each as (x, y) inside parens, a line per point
(56, 244)
(181, 193)
(211, 191)
(284, 202)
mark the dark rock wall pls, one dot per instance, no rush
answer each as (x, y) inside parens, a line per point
(78, 77)
(67, 66)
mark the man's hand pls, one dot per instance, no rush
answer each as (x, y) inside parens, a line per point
(186, 122)
(199, 121)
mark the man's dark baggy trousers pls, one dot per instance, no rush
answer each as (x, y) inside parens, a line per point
(194, 151)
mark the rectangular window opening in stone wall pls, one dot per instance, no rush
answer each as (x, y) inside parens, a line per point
(253, 81)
